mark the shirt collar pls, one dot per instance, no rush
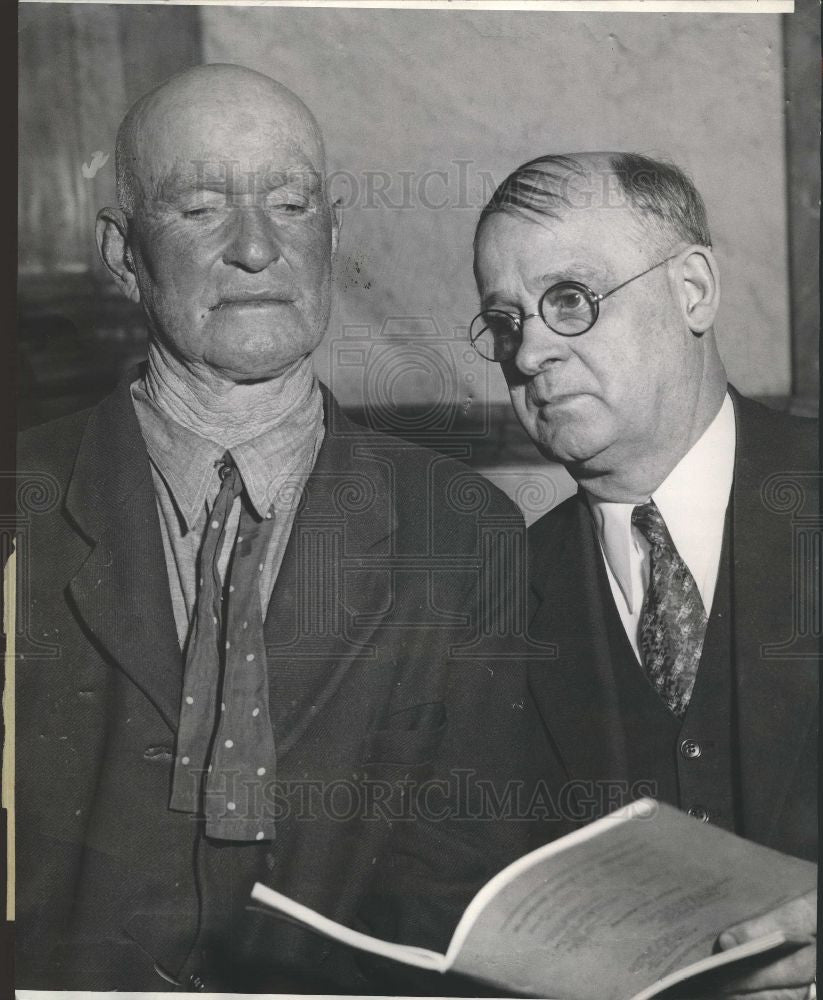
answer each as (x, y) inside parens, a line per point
(692, 500)
(614, 529)
(694, 496)
(274, 465)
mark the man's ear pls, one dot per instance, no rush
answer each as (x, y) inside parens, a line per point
(112, 232)
(336, 224)
(700, 295)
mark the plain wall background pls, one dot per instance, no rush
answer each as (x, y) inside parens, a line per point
(417, 92)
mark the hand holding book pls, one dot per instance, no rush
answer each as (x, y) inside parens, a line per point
(621, 909)
(790, 971)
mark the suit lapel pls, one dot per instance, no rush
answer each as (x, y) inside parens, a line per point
(325, 606)
(575, 692)
(121, 592)
(776, 698)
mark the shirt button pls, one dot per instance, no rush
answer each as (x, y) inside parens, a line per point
(690, 749)
(700, 813)
(196, 983)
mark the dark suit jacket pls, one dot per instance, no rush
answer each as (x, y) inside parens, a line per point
(378, 586)
(774, 596)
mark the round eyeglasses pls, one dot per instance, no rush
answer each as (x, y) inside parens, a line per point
(569, 308)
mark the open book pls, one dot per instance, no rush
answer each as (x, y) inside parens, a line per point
(621, 909)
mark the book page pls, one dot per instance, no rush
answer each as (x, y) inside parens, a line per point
(422, 958)
(715, 961)
(615, 912)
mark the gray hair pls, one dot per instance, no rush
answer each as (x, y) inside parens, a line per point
(660, 194)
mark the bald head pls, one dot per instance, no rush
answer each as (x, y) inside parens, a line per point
(178, 122)
(657, 195)
(224, 233)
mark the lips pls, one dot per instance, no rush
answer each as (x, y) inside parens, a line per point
(542, 397)
(558, 397)
(251, 299)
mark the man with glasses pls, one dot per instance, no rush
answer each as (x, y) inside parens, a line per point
(666, 582)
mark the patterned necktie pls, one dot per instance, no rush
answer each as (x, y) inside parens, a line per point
(225, 753)
(672, 620)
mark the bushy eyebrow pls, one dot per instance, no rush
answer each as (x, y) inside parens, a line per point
(596, 279)
(574, 271)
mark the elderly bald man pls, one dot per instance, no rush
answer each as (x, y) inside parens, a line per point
(258, 606)
(666, 582)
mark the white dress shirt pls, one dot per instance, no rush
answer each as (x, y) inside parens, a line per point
(692, 500)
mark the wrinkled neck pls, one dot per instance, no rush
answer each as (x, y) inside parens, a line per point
(223, 411)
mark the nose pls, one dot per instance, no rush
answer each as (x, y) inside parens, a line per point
(253, 243)
(540, 347)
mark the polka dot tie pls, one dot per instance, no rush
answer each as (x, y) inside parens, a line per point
(225, 756)
(672, 620)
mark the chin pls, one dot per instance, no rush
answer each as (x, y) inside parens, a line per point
(574, 433)
(254, 355)
(251, 369)
(580, 449)
(588, 458)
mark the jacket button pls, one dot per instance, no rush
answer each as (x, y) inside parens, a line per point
(700, 813)
(196, 983)
(690, 749)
